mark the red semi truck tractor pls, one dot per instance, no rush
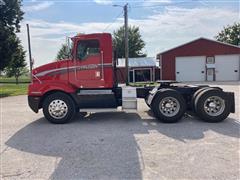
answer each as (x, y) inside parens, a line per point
(87, 82)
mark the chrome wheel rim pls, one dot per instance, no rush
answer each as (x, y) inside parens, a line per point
(58, 109)
(169, 106)
(214, 105)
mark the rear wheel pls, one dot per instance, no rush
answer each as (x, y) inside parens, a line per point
(195, 96)
(168, 106)
(58, 108)
(212, 105)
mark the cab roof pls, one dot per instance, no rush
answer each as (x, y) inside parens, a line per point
(93, 35)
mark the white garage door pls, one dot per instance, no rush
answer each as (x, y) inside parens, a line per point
(227, 67)
(190, 68)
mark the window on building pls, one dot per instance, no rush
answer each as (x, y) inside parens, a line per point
(210, 60)
(87, 48)
(142, 75)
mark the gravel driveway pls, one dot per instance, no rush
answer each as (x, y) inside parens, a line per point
(117, 145)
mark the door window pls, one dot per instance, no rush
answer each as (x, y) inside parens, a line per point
(210, 74)
(86, 48)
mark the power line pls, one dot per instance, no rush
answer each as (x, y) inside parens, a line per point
(115, 19)
(160, 5)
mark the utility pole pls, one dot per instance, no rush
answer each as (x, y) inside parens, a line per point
(125, 8)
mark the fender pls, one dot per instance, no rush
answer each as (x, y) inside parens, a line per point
(39, 89)
(36, 91)
(158, 90)
(151, 95)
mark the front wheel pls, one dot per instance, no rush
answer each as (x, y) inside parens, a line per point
(168, 106)
(58, 108)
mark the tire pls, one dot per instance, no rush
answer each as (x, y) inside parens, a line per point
(51, 106)
(168, 97)
(212, 105)
(195, 96)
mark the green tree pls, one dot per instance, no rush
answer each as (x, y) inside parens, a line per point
(63, 53)
(10, 17)
(17, 64)
(230, 34)
(25, 72)
(136, 44)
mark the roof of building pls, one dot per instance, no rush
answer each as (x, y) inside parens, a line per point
(138, 62)
(201, 38)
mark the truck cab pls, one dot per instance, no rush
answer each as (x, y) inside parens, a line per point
(87, 82)
(91, 65)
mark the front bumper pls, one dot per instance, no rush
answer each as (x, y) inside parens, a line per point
(33, 102)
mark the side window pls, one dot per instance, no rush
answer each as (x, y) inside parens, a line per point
(87, 48)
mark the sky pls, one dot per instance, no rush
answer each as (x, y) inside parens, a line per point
(163, 24)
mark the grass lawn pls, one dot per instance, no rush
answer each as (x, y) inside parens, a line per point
(13, 89)
(140, 84)
(12, 79)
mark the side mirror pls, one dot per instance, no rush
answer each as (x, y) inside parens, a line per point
(71, 55)
(70, 48)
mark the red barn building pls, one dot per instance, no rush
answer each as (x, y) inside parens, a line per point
(201, 60)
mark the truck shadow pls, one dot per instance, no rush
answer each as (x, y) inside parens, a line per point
(191, 127)
(103, 145)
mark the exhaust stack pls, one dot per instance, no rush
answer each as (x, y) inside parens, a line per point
(29, 51)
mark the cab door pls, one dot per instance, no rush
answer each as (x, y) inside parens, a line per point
(88, 63)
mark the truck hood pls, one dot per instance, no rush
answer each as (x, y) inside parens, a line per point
(50, 67)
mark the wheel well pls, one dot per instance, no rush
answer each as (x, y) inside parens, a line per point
(52, 92)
